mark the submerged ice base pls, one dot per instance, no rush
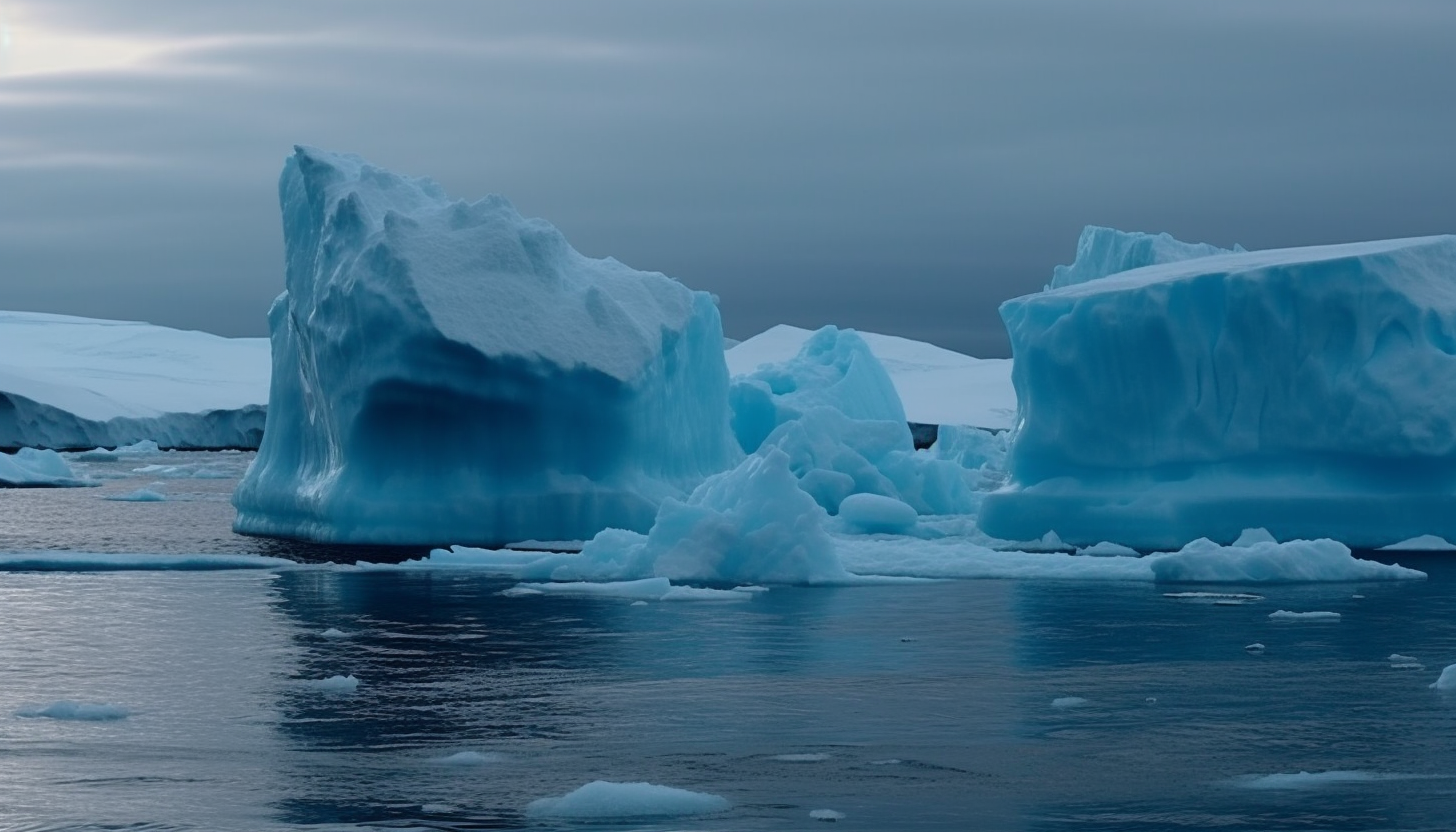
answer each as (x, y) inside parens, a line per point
(453, 372)
(1310, 391)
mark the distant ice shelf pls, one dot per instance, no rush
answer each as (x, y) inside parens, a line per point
(69, 383)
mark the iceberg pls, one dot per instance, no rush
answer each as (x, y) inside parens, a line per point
(33, 468)
(1104, 251)
(1310, 392)
(450, 371)
(75, 383)
(936, 386)
(602, 799)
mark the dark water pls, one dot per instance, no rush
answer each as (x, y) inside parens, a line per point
(925, 706)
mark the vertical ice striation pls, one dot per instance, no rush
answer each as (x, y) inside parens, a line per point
(450, 371)
(1308, 391)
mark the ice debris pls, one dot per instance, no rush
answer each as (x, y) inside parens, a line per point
(33, 468)
(829, 815)
(470, 758)
(603, 799)
(336, 684)
(1286, 615)
(876, 514)
(141, 495)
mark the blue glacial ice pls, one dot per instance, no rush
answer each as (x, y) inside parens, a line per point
(34, 468)
(451, 371)
(1310, 391)
(1104, 251)
(834, 368)
(602, 799)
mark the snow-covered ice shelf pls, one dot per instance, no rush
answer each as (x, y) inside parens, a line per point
(68, 382)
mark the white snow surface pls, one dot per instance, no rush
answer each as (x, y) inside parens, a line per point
(33, 468)
(69, 382)
(603, 799)
(936, 386)
(1308, 391)
(452, 371)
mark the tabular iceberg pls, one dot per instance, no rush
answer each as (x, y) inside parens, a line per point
(449, 371)
(68, 382)
(1308, 391)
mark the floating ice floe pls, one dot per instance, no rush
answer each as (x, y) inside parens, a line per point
(336, 684)
(830, 815)
(603, 799)
(33, 468)
(646, 589)
(334, 632)
(1286, 615)
(1399, 662)
(1447, 679)
(77, 711)
(1256, 647)
(143, 447)
(1207, 408)
(1317, 779)
(1421, 543)
(141, 495)
(1229, 599)
(452, 371)
(102, 562)
(470, 758)
(69, 382)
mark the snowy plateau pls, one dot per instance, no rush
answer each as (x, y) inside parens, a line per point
(68, 383)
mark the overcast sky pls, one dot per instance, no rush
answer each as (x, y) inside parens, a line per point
(899, 167)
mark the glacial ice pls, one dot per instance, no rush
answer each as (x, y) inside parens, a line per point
(1310, 392)
(643, 589)
(936, 386)
(603, 799)
(470, 758)
(451, 371)
(141, 495)
(1286, 615)
(1421, 543)
(876, 514)
(336, 684)
(1315, 779)
(1104, 251)
(828, 815)
(32, 468)
(834, 369)
(68, 382)
(1447, 679)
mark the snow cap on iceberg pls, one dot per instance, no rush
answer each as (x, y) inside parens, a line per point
(1308, 391)
(452, 371)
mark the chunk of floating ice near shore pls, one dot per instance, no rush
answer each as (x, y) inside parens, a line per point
(469, 758)
(334, 632)
(141, 495)
(1447, 680)
(1107, 549)
(76, 711)
(603, 799)
(801, 758)
(826, 815)
(1068, 702)
(1423, 543)
(1256, 647)
(1399, 662)
(1286, 615)
(336, 684)
(1219, 598)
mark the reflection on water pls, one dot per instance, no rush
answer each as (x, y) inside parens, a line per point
(909, 707)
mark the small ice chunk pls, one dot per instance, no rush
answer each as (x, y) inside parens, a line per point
(1256, 647)
(890, 762)
(336, 684)
(1447, 681)
(1218, 598)
(141, 495)
(645, 589)
(77, 711)
(334, 632)
(1357, 597)
(801, 758)
(603, 799)
(1249, 537)
(638, 604)
(1422, 543)
(470, 758)
(1108, 549)
(1309, 780)
(826, 815)
(1399, 662)
(1068, 702)
(1286, 615)
(876, 514)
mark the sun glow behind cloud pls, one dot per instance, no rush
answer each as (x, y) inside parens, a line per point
(30, 47)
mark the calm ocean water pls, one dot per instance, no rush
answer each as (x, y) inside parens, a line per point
(903, 707)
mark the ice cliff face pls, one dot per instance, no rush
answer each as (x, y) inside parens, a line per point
(451, 371)
(1308, 391)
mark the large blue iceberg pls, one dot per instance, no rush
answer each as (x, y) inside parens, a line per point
(1309, 391)
(451, 372)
